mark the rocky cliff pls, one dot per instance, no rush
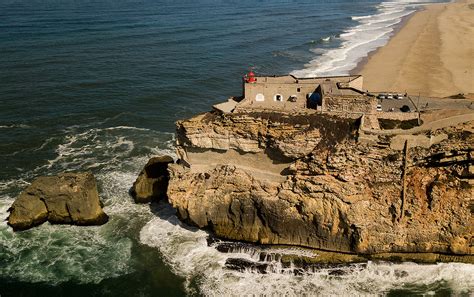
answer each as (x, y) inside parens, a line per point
(308, 180)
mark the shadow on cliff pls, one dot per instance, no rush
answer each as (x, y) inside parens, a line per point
(163, 210)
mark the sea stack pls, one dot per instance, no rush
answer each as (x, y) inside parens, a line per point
(68, 198)
(152, 182)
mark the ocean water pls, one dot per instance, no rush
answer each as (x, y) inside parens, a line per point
(98, 84)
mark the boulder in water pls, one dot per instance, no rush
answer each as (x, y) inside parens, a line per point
(152, 183)
(68, 198)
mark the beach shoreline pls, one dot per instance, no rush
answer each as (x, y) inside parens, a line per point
(361, 64)
(430, 53)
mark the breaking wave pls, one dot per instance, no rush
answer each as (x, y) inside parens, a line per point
(189, 255)
(370, 33)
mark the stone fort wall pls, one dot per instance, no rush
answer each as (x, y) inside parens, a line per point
(350, 104)
(289, 93)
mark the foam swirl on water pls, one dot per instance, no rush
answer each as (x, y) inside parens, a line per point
(61, 253)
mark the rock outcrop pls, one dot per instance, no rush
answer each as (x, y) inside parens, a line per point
(69, 198)
(27, 211)
(333, 193)
(152, 183)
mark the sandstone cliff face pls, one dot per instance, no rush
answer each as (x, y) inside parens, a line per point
(292, 136)
(334, 194)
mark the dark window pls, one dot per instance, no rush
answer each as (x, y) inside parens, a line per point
(298, 90)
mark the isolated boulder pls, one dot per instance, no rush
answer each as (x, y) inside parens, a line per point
(152, 182)
(68, 198)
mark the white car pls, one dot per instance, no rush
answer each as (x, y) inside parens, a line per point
(389, 96)
(381, 96)
(379, 107)
(400, 96)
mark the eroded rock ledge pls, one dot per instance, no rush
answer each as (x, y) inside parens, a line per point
(308, 180)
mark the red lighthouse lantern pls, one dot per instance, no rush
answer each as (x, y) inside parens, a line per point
(250, 77)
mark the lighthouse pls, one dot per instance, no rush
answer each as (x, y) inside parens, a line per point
(250, 77)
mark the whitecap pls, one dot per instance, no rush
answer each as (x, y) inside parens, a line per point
(44, 144)
(11, 126)
(9, 184)
(370, 33)
(361, 17)
(127, 128)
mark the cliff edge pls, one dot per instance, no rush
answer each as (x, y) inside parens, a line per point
(323, 181)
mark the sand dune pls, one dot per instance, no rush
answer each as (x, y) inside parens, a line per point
(433, 54)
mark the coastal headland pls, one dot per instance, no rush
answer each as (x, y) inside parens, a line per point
(322, 163)
(431, 55)
(358, 168)
(317, 188)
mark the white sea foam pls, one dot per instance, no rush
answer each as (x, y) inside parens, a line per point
(186, 251)
(99, 149)
(21, 126)
(105, 147)
(8, 184)
(127, 128)
(55, 254)
(59, 253)
(371, 32)
(44, 144)
(361, 17)
(48, 254)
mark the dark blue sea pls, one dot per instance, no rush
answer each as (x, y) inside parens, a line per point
(98, 84)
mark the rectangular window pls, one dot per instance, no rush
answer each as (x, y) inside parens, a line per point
(298, 90)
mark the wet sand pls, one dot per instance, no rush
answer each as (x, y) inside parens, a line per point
(431, 55)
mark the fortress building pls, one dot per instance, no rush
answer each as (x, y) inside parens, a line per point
(290, 94)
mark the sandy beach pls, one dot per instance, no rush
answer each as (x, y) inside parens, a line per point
(431, 55)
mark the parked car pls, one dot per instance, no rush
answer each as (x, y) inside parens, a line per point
(399, 96)
(379, 107)
(381, 96)
(389, 96)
